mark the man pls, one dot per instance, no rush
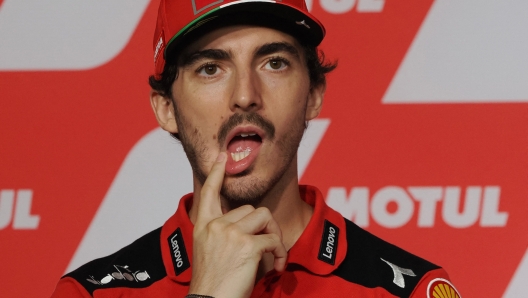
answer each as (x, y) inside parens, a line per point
(236, 83)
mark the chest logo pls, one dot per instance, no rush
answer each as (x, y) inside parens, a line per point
(398, 274)
(328, 248)
(180, 260)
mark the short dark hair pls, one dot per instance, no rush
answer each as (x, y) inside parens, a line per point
(318, 68)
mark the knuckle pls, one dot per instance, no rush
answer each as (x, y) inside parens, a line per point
(264, 211)
(247, 242)
(247, 208)
(275, 238)
(232, 231)
(215, 226)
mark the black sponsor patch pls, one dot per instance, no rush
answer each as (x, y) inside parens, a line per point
(328, 248)
(180, 260)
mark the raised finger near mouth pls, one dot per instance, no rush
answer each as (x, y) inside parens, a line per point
(209, 205)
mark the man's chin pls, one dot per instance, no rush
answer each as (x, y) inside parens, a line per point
(239, 190)
(242, 174)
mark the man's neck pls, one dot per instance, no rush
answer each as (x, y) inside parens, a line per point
(290, 211)
(292, 214)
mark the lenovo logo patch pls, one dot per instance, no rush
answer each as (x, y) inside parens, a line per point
(179, 254)
(328, 248)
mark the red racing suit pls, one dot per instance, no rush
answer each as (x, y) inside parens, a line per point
(332, 258)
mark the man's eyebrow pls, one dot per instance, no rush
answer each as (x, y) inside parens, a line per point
(215, 54)
(275, 47)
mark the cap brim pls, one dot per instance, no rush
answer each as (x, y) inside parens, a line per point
(306, 28)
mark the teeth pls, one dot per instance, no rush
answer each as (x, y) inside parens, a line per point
(245, 135)
(238, 156)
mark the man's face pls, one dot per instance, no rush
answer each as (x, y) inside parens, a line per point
(244, 90)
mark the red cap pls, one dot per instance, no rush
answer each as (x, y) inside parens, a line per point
(177, 18)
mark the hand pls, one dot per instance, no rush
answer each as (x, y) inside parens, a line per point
(228, 247)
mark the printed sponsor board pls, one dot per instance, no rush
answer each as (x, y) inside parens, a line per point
(69, 139)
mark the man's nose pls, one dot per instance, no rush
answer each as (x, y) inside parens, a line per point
(246, 94)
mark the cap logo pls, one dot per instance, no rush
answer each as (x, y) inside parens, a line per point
(159, 45)
(180, 261)
(303, 22)
(328, 248)
(200, 5)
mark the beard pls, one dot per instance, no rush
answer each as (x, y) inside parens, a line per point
(244, 189)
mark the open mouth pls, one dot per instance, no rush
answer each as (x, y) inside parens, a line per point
(242, 148)
(242, 145)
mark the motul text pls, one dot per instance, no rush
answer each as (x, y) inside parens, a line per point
(20, 213)
(480, 204)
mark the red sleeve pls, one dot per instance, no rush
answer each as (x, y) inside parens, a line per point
(69, 288)
(435, 281)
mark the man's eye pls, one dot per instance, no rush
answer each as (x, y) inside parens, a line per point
(209, 70)
(276, 64)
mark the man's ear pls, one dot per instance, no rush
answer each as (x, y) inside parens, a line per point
(164, 111)
(315, 101)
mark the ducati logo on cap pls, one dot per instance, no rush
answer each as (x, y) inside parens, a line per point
(199, 5)
(441, 288)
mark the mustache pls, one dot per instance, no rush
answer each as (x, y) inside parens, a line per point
(252, 118)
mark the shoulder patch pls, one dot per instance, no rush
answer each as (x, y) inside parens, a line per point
(137, 265)
(441, 288)
(328, 247)
(180, 260)
(373, 262)
(398, 274)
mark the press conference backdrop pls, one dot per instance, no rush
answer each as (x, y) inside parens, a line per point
(423, 138)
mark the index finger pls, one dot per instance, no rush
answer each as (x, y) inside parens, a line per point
(209, 206)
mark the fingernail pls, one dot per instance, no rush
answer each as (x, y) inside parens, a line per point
(221, 157)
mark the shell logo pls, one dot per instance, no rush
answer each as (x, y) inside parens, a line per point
(441, 288)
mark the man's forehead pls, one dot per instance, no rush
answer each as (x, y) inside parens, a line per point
(240, 38)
